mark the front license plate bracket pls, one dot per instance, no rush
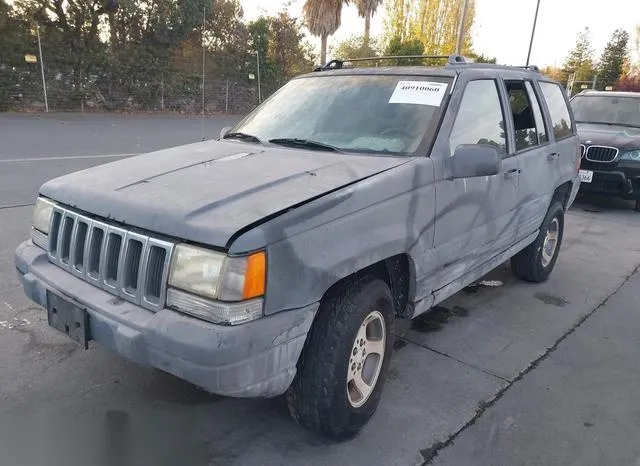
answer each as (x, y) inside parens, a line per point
(68, 318)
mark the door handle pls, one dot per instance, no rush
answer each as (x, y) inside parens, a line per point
(553, 156)
(511, 173)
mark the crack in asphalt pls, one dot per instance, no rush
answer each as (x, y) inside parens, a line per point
(441, 353)
(431, 452)
(6, 207)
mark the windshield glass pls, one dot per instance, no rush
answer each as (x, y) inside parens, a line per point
(372, 113)
(614, 110)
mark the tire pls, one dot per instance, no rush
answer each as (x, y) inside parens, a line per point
(637, 207)
(320, 397)
(533, 264)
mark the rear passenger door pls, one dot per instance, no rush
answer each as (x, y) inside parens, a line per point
(546, 146)
(536, 159)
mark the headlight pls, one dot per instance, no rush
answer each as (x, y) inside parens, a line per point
(220, 280)
(42, 215)
(40, 222)
(196, 270)
(631, 155)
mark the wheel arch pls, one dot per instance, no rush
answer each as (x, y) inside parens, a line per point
(397, 271)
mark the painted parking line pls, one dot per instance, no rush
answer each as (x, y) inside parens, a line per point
(70, 157)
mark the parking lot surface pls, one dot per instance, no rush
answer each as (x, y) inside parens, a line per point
(504, 372)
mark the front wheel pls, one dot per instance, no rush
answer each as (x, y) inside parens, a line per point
(536, 261)
(344, 364)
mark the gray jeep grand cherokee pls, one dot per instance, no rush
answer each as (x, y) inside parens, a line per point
(278, 259)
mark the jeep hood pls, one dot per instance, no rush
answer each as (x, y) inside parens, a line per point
(207, 192)
(620, 137)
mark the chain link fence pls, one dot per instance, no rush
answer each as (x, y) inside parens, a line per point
(222, 86)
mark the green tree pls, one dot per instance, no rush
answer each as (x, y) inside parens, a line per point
(287, 47)
(613, 58)
(435, 23)
(15, 43)
(482, 58)
(579, 61)
(396, 23)
(399, 47)
(354, 47)
(323, 18)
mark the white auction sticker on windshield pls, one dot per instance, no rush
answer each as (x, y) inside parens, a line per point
(418, 93)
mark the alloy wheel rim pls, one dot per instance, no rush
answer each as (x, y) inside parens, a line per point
(550, 242)
(365, 359)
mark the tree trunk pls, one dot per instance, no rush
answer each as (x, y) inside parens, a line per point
(367, 30)
(323, 50)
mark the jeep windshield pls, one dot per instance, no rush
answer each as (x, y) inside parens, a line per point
(608, 110)
(385, 114)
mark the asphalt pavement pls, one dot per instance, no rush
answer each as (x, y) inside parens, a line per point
(503, 373)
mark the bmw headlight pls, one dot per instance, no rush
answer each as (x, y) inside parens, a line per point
(41, 220)
(631, 155)
(216, 287)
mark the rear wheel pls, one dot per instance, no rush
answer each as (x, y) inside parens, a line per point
(536, 261)
(344, 364)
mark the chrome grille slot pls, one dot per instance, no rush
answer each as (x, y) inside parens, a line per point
(155, 273)
(602, 154)
(54, 232)
(111, 257)
(124, 263)
(79, 244)
(94, 253)
(132, 261)
(155, 265)
(65, 239)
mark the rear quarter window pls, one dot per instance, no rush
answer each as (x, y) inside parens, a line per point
(558, 110)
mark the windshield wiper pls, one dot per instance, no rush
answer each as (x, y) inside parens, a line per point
(306, 143)
(242, 137)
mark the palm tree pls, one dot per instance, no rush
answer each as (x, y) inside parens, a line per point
(323, 19)
(366, 9)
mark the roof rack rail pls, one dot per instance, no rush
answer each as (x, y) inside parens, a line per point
(530, 67)
(339, 64)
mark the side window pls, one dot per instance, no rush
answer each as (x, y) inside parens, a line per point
(522, 113)
(557, 110)
(537, 113)
(479, 119)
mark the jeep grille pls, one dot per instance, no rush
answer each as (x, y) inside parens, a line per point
(124, 263)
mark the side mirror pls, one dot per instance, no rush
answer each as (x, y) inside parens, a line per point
(224, 131)
(470, 160)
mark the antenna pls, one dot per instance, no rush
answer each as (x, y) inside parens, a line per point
(204, 20)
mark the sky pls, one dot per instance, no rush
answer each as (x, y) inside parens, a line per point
(503, 27)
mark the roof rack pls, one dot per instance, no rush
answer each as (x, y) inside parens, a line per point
(530, 67)
(339, 64)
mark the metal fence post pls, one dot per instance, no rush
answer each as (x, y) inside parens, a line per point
(259, 90)
(226, 101)
(162, 91)
(44, 82)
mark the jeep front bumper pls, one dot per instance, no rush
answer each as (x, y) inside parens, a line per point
(256, 359)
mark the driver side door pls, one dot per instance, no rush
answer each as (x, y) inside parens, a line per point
(475, 216)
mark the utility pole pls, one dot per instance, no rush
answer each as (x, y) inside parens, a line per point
(259, 90)
(533, 31)
(461, 31)
(44, 82)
